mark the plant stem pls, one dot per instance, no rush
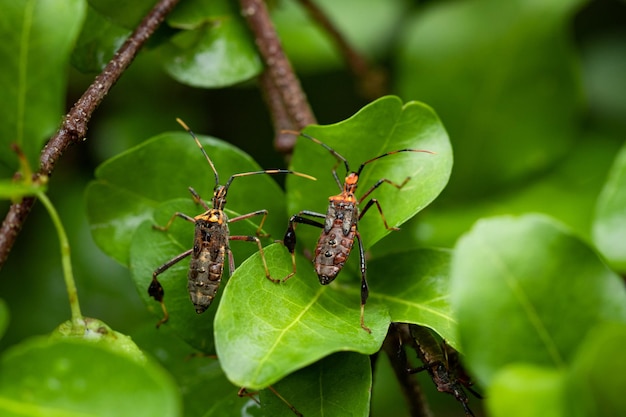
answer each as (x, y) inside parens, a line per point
(282, 89)
(66, 259)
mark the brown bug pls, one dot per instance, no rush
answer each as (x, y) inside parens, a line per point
(340, 226)
(211, 238)
(441, 362)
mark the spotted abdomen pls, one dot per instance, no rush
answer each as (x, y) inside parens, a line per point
(207, 260)
(335, 243)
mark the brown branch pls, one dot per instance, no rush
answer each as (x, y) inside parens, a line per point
(372, 80)
(74, 126)
(393, 346)
(285, 97)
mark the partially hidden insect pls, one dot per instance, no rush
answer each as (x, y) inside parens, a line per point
(442, 363)
(210, 242)
(340, 226)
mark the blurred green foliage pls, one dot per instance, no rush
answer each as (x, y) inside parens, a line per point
(531, 94)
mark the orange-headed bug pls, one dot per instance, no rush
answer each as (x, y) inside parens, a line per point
(340, 226)
(210, 243)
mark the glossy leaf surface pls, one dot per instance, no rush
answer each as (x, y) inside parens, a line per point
(64, 378)
(129, 187)
(383, 126)
(541, 388)
(264, 330)
(338, 385)
(214, 48)
(415, 287)
(514, 106)
(609, 227)
(515, 281)
(97, 43)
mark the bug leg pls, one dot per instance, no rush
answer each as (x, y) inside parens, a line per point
(254, 213)
(197, 199)
(171, 220)
(231, 263)
(261, 252)
(364, 287)
(243, 392)
(380, 210)
(289, 240)
(155, 289)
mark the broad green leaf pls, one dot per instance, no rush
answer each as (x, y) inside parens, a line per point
(123, 13)
(609, 227)
(37, 38)
(382, 126)
(152, 248)
(97, 43)
(598, 375)
(264, 330)
(65, 378)
(96, 331)
(205, 390)
(540, 388)
(414, 286)
(129, 187)
(338, 385)
(368, 26)
(516, 281)
(508, 91)
(567, 192)
(214, 48)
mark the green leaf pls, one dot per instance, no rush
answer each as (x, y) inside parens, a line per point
(152, 248)
(97, 43)
(515, 281)
(64, 378)
(214, 50)
(37, 37)
(338, 385)
(609, 227)
(123, 13)
(206, 391)
(598, 375)
(509, 91)
(129, 187)
(382, 126)
(96, 331)
(264, 330)
(566, 192)
(414, 286)
(541, 388)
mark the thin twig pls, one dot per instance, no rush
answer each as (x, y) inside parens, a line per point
(281, 121)
(282, 88)
(74, 126)
(372, 80)
(393, 346)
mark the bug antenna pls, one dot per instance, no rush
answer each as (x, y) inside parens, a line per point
(268, 171)
(217, 178)
(328, 148)
(390, 153)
